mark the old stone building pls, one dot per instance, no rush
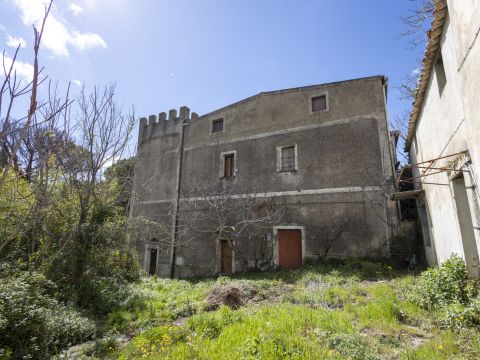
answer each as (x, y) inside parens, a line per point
(444, 135)
(320, 153)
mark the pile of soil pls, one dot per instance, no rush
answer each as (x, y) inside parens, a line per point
(229, 295)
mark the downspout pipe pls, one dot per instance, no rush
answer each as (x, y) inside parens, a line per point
(177, 200)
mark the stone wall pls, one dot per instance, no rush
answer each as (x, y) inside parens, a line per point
(344, 171)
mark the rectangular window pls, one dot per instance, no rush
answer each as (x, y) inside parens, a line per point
(228, 168)
(288, 158)
(440, 72)
(319, 103)
(217, 126)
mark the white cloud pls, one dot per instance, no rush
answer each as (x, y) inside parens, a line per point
(77, 82)
(23, 70)
(75, 9)
(15, 41)
(57, 36)
(84, 41)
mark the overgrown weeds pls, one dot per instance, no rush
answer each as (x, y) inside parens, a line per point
(450, 293)
(347, 310)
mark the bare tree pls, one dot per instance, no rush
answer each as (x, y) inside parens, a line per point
(416, 25)
(228, 213)
(103, 132)
(417, 22)
(99, 138)
(27, 144)
(331, 231)
(10, 91)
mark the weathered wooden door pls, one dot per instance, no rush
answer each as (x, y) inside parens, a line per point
(226, 257)
(153, 262)
(289, 249)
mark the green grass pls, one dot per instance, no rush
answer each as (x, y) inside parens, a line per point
(351, 310)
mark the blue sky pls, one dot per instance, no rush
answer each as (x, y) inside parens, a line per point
(209, 53)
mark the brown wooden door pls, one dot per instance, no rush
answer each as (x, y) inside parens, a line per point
(289, 249)
(226, 257)
(153, 262)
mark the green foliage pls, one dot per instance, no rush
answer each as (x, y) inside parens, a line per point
(441, 286)
(34, 323)
(451, 293)
(210, 325)
(103, 295)
(121, 173)
(351, 346)
(105, 345)
(458, 316)
(321, 311)
(15, 202)
(65, 224)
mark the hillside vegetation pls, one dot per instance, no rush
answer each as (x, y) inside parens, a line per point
(344, 310)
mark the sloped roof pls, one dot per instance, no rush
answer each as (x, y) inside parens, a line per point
(429, 58)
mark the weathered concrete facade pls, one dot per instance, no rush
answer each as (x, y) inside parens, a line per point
(343, 171)
(444, 135)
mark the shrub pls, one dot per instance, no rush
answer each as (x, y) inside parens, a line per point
(102, 295)
(105, 345)
(119, 320)
(457, 316)
(441, 286)
(34, 323)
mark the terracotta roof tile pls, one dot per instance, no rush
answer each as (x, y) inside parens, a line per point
(434, 36)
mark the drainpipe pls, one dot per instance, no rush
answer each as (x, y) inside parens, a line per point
(177, 200)
(391, 167)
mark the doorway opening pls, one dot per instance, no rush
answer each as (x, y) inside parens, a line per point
(289, 248)
(226, 258)
(152, 269)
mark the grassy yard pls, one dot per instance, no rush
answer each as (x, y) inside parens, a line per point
(353, 310)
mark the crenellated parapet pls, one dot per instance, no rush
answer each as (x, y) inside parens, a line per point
(156, 126)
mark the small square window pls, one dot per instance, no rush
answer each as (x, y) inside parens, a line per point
(217, 126)
(319, 103)
(288, 158)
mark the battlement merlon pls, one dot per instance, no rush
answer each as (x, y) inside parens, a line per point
(153, 126)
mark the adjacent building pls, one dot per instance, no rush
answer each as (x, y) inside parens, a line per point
(320, 152)
(444, 135)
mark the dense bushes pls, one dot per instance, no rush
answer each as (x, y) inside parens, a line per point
(442, 286)
(33, 322)
(449, 290)
(102, 295)
(63, 228)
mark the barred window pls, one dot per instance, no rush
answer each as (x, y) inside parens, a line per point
(217, 126)
(288, 158)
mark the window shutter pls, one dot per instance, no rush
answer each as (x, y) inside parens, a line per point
(228, 167)
(288, 158)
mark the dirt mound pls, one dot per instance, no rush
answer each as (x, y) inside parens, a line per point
(230, 295)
